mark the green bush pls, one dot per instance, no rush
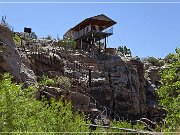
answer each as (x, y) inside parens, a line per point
(45, 81)
(170, 58)
(20, 112)
(67, 43)
(33, 35)
(17, 39)
(124, 50)
(125, 124)
(169, 92)
(116, 128)
(49, 37)
(154, 61)
(61, 81)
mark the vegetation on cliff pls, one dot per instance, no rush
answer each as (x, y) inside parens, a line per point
(59, 81)
(169, 92)
(21, 112)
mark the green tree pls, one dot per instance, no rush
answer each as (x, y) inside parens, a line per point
(169, 92)
(49, 37)
(67, 43)
(21, 112)
(154, 61)
(33, 35)
(124, 50)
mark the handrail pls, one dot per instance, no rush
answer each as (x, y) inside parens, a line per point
(109, 31)
(82, 32)
(89, 28)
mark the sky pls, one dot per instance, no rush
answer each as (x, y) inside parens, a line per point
(148, 29)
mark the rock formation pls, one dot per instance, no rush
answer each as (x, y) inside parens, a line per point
(12, 61)
(113, 84)
(107, 79)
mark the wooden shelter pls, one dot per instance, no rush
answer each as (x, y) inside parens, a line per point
(91, 30)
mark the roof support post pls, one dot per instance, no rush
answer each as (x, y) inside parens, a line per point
(99, 46)
(81, 44)
(90, 45)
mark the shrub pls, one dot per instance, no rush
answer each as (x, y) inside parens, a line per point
(169, 92)
(67, 43)
(17, 39)
(20, 112)
(61, 81)
(49, 37)
(154, 61)
(124, 50)
(45, 81)
(170, 58)
(125, 124)
(33, 35)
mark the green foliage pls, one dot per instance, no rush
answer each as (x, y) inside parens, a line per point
(125, 124)
(170, 58)
(17, 39)
(45, 81)
(60, 81)
(169, 92)
(124, 50)
(63, 82)
(116, 127)
(67, 43)
(49, 37)
(122, 124)
(154, 61)
(138, 126)
(20, 112)
(33, 35)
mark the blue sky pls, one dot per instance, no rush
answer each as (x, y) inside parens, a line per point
(147, 29)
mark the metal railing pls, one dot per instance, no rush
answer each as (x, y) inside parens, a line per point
(109, 31)
(82, 32)
(94, 28)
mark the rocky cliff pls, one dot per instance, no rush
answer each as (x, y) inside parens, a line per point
(107, 82)
(12, 61)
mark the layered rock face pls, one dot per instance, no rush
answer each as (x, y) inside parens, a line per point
(107, 79)
(12, 61)
(102, 81)
(152, 83)
(122, 88)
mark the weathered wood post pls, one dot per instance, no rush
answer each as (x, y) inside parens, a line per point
(81, 44)
(99, 46)
(51, 60)
(105, 44)
(90, 77)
